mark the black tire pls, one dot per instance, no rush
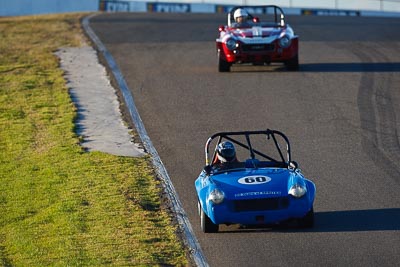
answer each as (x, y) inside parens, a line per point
(308, 220)
(206, 224)
(223, 66)
(293, 63)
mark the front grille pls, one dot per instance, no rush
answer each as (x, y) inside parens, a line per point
(258, 47)
(276, 203)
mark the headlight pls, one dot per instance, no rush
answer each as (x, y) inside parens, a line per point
(285, 41)
(216, 196)
(231, 44)
(298, 190)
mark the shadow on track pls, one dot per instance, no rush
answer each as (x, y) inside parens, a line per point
(341, 221)
(358, 220)
(324, 67)
(351, 67)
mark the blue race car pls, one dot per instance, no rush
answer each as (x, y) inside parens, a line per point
(265, 188)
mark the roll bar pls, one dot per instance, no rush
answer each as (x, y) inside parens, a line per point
(247, 134)
(279, 15)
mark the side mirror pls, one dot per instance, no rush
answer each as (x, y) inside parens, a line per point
(207, 169)
(221, 28)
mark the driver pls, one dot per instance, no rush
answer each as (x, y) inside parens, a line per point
(241, 16)
(226, 155)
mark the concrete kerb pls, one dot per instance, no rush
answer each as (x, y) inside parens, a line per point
(190, 239)
(99, 120)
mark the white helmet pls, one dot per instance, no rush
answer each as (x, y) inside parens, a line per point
(240, 13)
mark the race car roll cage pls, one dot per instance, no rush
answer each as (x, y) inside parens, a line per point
(268, 133)
(279, 15)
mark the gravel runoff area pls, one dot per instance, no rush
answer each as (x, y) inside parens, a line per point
(99, 119)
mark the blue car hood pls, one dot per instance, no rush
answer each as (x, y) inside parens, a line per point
(254, 183)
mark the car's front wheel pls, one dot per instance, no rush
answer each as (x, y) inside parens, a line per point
(293, 63)
(206, 224)
(308, 220)
(223, 66)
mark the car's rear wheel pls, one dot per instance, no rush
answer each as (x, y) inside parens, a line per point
(308, 220)
(206, 224)
(223, 66)
(293, 63)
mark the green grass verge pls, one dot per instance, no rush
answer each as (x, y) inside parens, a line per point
(59, 205)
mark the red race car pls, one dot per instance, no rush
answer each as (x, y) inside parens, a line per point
(257, 35)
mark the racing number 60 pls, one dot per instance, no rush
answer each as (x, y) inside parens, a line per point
(254, 180)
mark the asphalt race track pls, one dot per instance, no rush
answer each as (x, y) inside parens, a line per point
(341, 112)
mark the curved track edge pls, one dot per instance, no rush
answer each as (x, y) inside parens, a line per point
(189, 237)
